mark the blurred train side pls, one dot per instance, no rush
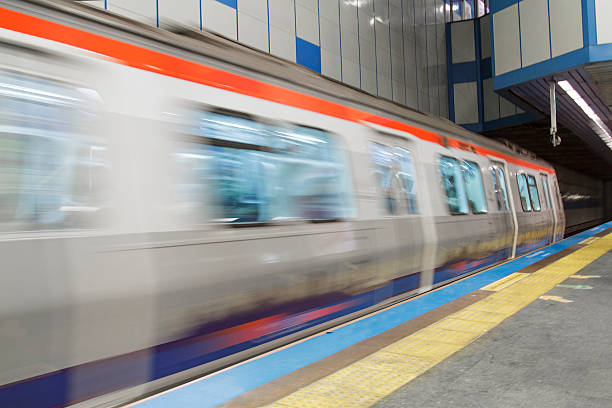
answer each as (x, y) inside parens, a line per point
(130, 290)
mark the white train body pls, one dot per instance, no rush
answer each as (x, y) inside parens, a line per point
(134, 285)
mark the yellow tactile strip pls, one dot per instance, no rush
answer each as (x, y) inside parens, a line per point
(505, 282)
(367, 381)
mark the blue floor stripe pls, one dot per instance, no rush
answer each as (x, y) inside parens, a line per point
(229, 384)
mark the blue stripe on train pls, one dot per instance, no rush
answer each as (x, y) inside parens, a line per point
(461, 268)
(78, 383)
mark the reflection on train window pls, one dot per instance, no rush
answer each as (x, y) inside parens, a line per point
(547, 199)
(249, 172)
(386, 171)
(496, 189)
(52, 169)
(407, 178)
(474, 187)
(521, 181)
(310, 177)
(453, 183)
(394, 170)
(499, 188)
(533, 193)
(557, 194)
(502, 183)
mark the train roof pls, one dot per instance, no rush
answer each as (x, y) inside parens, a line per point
(238, 58)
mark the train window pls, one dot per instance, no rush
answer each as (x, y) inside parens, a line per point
(521, 180)
(557, 194)
(547, 199)
(502, 184)
(250, 172)
(407, 177)
(307, 176)
(394, 170)
(53, 168)
(386, 172)
(453, 183)
(496, 189)
(474, 187)
(533, 193)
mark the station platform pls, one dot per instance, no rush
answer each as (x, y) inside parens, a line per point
(533, 331)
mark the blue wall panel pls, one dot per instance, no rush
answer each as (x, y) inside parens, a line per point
(231, 3)
(308, 54)
(496, 5)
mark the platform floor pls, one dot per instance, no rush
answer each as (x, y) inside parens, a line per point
(533, 332)
(549, 354)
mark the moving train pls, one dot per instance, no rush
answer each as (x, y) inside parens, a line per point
(172, 203)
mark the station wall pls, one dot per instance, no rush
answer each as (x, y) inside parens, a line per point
(585, 200)
(395, 49)
(527, 32)
(473, 102)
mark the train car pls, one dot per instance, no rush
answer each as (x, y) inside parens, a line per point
(175, 203)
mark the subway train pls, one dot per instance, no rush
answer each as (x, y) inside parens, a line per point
(172, 202)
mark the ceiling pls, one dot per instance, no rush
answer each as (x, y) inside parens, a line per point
(581, 148)
(573, 153)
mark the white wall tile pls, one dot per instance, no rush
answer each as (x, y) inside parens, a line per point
(330, 64)
(330, 9)
(186, 12)
(423, 101)
(412, 98)
(307, 24)
(308, 4)
(507, 108)
(506, 38)
(490, 100)
(535, 41)
(382, 35)
(566, 26)
(434, 105)
(95, 3)
(350, 46)
(485, 36)
(282, 43)
(330, 35)
(252, 31)
(368, 80)
(397, 67)
(255, 8)
(282, 14)
(399, 92)
(140, 10)
(348, 18)
(396, 39)
(383, 62)
(462, 42)
(381, 8)
(603, 15)
(366, 28)
(466, 103)
(350, 73)
(367, 55)
(219, 18)
(384, 86)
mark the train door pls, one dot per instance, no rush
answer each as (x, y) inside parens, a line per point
(558, 204)
(505, 204)
(397, 185)
(549, 207)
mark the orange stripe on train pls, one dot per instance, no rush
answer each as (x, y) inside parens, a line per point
(153, 61)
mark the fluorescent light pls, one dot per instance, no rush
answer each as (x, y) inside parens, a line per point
(601, 129)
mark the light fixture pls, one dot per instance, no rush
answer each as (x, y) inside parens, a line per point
(601, 129)
(376, 18)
